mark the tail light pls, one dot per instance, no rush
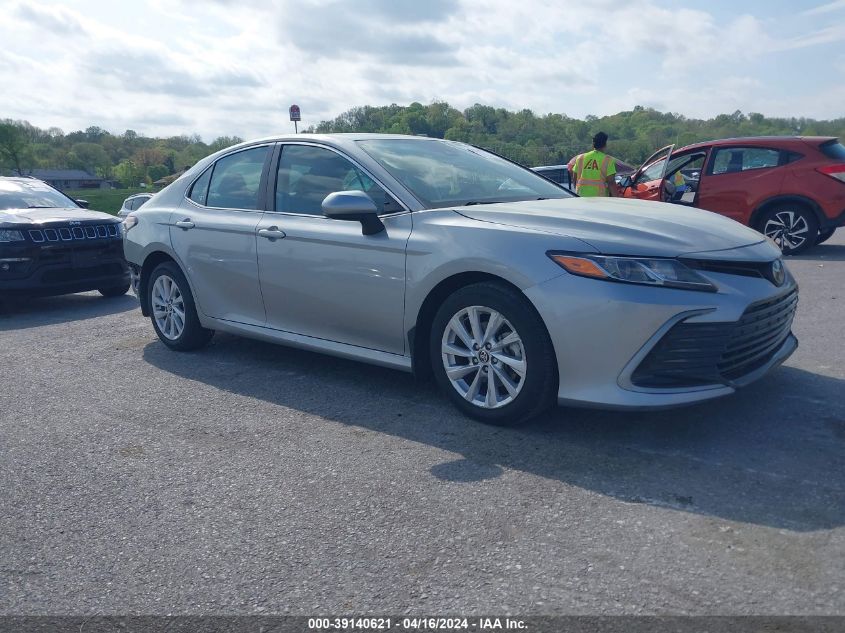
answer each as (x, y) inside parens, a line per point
(834, 171)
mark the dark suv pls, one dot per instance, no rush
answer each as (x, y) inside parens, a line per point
(50, 245)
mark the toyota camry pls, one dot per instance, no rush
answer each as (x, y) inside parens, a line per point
(441, 258)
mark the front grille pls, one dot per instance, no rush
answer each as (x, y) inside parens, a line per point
(697, 354)
(746, 269)
(69, 234)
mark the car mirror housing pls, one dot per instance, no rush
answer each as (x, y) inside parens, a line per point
(354, 206)
(82, 203)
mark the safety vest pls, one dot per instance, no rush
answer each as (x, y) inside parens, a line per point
(591, 170)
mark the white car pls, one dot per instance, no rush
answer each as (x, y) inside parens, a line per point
(133, 203)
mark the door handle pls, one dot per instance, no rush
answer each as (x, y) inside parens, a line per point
(273, 233)
(185, 224)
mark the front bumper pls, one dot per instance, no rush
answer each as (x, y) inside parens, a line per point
(62, 266)
(602, 331)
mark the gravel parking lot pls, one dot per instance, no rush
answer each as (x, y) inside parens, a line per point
(251, 478)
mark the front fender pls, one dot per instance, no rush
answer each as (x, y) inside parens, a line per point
(445, 244)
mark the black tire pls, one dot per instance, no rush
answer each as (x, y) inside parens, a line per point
(114, 291)
(193, 335)
(788, 224)
(540, 381)
(825, 235)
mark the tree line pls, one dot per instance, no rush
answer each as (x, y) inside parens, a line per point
(523, 136)
(128, 158)
(555, 138)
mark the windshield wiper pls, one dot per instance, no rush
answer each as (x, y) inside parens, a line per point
(39, 206)
(472, 202)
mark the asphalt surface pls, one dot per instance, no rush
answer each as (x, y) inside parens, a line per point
(251, 478)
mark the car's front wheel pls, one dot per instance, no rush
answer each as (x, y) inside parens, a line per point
(492, 356)
(794, 228)
(172, 309)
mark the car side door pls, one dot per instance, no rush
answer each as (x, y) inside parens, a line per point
(323, 277)
(213, 234)
(734, 177)
(645, 183)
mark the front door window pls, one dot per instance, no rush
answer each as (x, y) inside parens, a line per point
(308, 174)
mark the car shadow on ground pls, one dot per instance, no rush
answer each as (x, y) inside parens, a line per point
(771, 455)
(821, 253)
(20, 313)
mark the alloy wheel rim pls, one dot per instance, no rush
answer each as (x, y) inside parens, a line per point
(788, 229)
(484, 357)
(168, 307)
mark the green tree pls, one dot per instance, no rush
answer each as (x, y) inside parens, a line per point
(156, 172)
(88, 156)
(15, 148)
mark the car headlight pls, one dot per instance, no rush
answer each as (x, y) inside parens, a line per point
(9, 235)
(649, 271)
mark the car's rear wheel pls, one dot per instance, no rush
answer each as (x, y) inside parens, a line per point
(114, 291)
(825, 235)
(172, 310)
(794, 228)
(492, 356)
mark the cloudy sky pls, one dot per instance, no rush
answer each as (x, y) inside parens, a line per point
(232, 67)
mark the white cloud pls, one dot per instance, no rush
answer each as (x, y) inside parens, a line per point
(825, 8)
(224, 67)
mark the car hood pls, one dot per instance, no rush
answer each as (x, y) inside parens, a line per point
(618, 226)
(44, 216)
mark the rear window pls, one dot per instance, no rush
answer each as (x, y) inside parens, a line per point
(833, 149)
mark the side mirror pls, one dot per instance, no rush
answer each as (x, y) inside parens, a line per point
(82, 203)
(356, 206)
(625, 182)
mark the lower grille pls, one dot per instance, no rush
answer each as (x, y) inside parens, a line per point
(696, 354)
(80, 274)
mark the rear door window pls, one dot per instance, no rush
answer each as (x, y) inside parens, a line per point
(731, 160)
(199, 190)
(236, 180)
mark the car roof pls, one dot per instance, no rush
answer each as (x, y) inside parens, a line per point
(761, 140)
(550, 167)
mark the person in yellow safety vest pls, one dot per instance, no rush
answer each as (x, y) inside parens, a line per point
(594, 171)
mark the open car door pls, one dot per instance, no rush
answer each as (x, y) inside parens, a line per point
(647, 182)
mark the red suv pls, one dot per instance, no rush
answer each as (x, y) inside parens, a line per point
(790, 188)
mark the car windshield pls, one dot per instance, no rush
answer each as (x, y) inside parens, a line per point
(446, 173)
(34, 194)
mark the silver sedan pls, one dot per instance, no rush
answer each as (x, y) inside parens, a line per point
(440, 258)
